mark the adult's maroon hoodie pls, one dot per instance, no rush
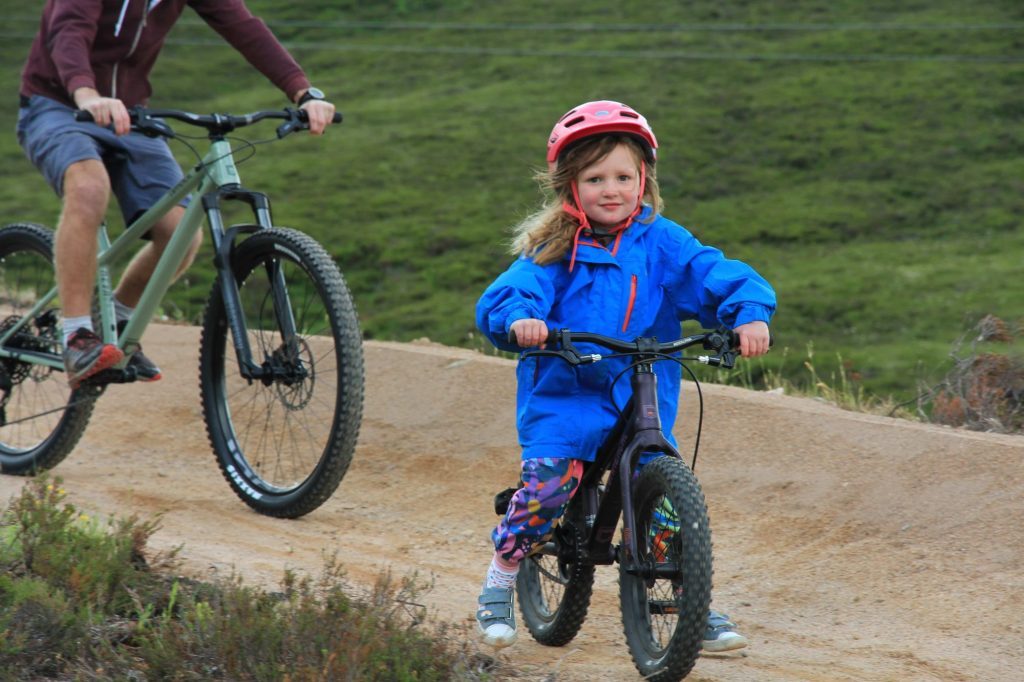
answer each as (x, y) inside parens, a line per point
(111, 46)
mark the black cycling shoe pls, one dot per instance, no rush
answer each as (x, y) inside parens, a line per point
(145, 369)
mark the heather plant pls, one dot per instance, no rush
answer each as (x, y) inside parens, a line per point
(84, 600)
(984, 391)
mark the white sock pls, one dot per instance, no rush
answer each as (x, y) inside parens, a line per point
(73, 324)
(498, 576)
(121, 311)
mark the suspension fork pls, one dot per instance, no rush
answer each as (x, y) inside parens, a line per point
(223, 244)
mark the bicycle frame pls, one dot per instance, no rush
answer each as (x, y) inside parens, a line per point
(637, 431)
(214, 178)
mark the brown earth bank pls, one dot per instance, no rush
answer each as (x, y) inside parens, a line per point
(848, 547)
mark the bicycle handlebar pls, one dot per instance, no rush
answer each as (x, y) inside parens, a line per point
(150, 121)
(723, 341)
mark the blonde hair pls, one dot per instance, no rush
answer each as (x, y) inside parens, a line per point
(547, 235)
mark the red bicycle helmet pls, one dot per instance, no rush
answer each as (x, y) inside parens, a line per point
(594, 118)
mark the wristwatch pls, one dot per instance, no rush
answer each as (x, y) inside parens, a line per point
(311, 93)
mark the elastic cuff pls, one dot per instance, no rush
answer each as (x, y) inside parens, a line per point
(294, 86)
(516, 315)
(754, 313)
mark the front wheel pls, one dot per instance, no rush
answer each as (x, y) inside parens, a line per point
(41, 419)
(285, 440)
(665, 592)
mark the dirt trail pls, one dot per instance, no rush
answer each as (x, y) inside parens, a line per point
(849, 547)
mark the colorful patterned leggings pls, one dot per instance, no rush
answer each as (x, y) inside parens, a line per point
(548, 485)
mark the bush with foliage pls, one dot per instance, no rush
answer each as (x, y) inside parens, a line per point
(80, 601)
(985, 389)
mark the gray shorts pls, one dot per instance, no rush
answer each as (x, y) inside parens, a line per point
(141, 168)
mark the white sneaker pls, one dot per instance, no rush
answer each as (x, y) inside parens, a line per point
(720, 634)
(495, 617)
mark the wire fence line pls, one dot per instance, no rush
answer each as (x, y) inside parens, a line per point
(631, 28)
(616, 27)
(668, 55)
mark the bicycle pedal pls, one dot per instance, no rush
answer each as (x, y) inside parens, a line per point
(111, 376)
(504, 498)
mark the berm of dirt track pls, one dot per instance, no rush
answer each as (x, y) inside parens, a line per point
(848, 546)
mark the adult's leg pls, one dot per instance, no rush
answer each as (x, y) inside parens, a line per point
(141, 268)
(86, 195)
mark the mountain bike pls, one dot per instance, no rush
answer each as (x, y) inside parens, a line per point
(280, 356)
(664, 555)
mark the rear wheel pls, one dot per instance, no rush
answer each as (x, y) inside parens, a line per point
(41, 419)
(285, 440)
(554, 587)
(665, 594)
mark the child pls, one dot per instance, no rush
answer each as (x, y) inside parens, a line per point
(598, 257)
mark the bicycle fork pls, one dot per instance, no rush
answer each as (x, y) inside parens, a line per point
(223, 243)
(647, 438)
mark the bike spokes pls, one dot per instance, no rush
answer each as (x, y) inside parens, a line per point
(285, 436)
(666, 588)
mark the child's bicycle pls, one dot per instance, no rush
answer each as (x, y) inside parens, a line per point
(665, 554)
(280, 359)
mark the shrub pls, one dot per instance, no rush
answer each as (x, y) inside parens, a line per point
(82, 602)
(984, 391)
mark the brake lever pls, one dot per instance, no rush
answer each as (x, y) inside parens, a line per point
(299, 120)
(723, 337)
(293, 123)
(569, 355)
(151, 127)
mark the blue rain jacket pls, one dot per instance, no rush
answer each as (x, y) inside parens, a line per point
(659, 276)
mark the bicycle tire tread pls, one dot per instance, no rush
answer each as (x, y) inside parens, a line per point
(69, 430)
(338, 452)
(680, 655)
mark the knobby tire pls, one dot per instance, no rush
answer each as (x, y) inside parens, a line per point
(41, 418)
(664, 617)
(284, 445)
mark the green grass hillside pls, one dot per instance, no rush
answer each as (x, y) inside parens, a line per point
(867, 158)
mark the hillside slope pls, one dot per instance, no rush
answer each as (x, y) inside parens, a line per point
(866, 158)
(849, 547)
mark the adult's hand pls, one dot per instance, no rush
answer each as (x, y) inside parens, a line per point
(105, 110)
(320, 113)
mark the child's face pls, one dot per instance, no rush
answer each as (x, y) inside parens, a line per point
(609, 189)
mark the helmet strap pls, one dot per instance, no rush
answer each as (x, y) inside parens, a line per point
(577, 212)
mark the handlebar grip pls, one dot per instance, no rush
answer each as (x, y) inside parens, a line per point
(338, 118)
(83, 116)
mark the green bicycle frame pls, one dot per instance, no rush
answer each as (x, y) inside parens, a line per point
(216, 173)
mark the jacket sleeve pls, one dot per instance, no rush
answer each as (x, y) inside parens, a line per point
(255, 41)
(69, 41)
(707, 286)
(524, 291)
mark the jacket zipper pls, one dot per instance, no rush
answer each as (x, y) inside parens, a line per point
(135, 44)
(632, 300)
